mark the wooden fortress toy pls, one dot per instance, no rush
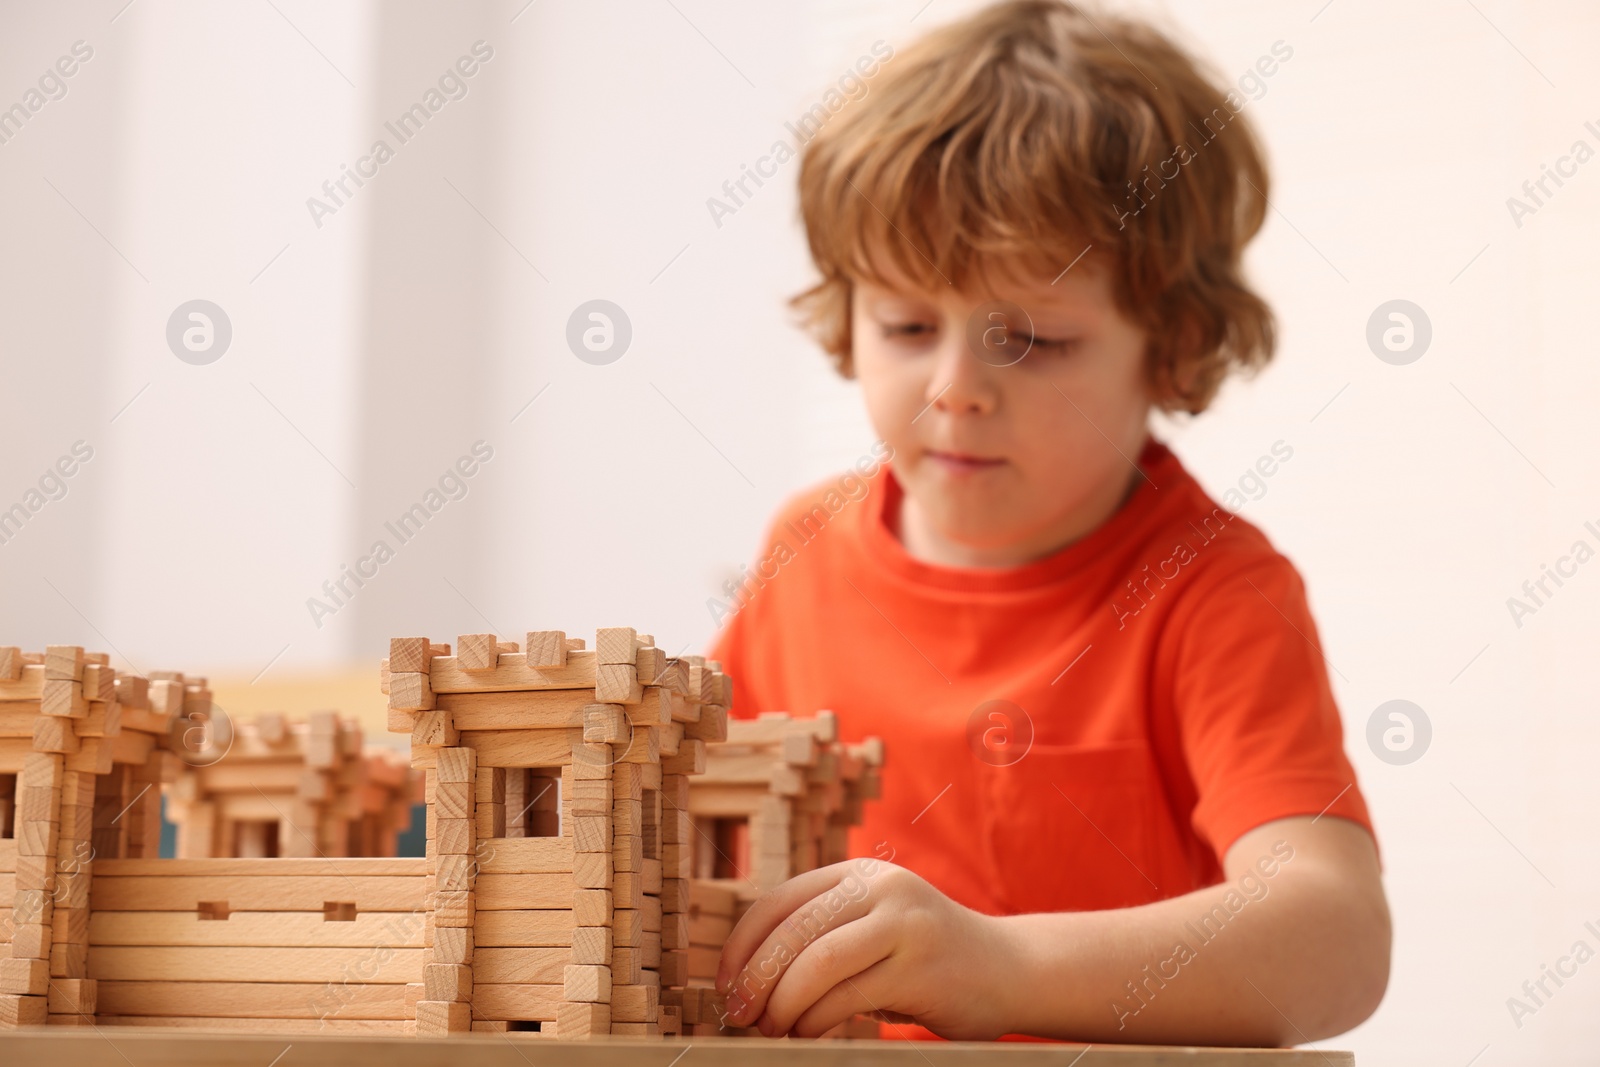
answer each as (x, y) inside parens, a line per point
(778, 798)
(560, 858)
(558, 895)
(81, 759)
(294, 789)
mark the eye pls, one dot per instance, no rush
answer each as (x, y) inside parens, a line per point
(1052, 345)
(906, 329)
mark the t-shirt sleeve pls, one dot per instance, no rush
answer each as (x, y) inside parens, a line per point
(1255, 713)
(731, 648)
(744, 646)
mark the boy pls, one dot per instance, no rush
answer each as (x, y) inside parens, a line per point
(1119, 806)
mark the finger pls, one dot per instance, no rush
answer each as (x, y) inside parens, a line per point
(841, 953)
(840, 904)
(859, 994)
(767, 912)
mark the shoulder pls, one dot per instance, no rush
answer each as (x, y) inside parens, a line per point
(805, 514)
(1219, 550)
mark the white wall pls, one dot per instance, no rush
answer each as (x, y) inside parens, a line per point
(425, 314)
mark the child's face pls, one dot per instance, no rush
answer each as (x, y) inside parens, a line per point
(1003, 462)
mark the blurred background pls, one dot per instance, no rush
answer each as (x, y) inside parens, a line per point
(255, 367)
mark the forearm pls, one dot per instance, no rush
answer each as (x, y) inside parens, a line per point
(1284, 960)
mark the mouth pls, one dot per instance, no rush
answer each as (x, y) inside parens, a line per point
(963, 462)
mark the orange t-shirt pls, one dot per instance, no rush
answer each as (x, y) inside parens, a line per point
(1160, 693)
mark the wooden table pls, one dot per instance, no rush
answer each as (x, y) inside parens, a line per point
(113, 1046)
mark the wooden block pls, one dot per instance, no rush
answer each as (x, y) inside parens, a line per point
(592, 870)
(711, 726)
(72, 996)
(627, 780)
(33, 913)
(66, 662)
(99, 683)
(591, 762)
(22, 1011)
(433, 729)
(591, 833)
(257, 1000)
(605, 723)
(674, 894)
(37, 837)
(513, 673)
(410, 691)
(26, 977)
(35, 872)
(42, 769)
(674, 967)
(400, 722)
(650, 875)
(592, 907)
(617, 683)
(104, 719)
(455, 874)
(490, 786)
(477, 652)
(677, 860)
(520, 966)
(650, 663)
(586, 982)
(447, 981)
(63, 698)
(69, 925)
(614, 644)
(453, 908)
(800, 749)
(645, 747)
(520, 748)
(454, 837)
(443, 1017)
(38, 802)
(627, 966)
(591, 945)
(547, 649)
(523, 929)
(458, 765)
(409, 655)
(634, 1003)
(489, 820)
(452, 944)
(10, 663)
(593, 794)
(627, 889)
(627, 817)
(676, 826)
(133, 691)
(580, 1020)
(627, 926)
(627, 852)
(513, 892)
(166, 696)
(453, 800)
(691, 758)
(674, 931)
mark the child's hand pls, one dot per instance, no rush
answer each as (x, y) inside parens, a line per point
(863, 937)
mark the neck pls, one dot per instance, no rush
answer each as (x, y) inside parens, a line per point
(924, 542)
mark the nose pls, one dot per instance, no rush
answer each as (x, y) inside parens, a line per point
(961, 383)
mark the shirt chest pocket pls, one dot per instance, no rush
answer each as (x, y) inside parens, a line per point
(1073, 828)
